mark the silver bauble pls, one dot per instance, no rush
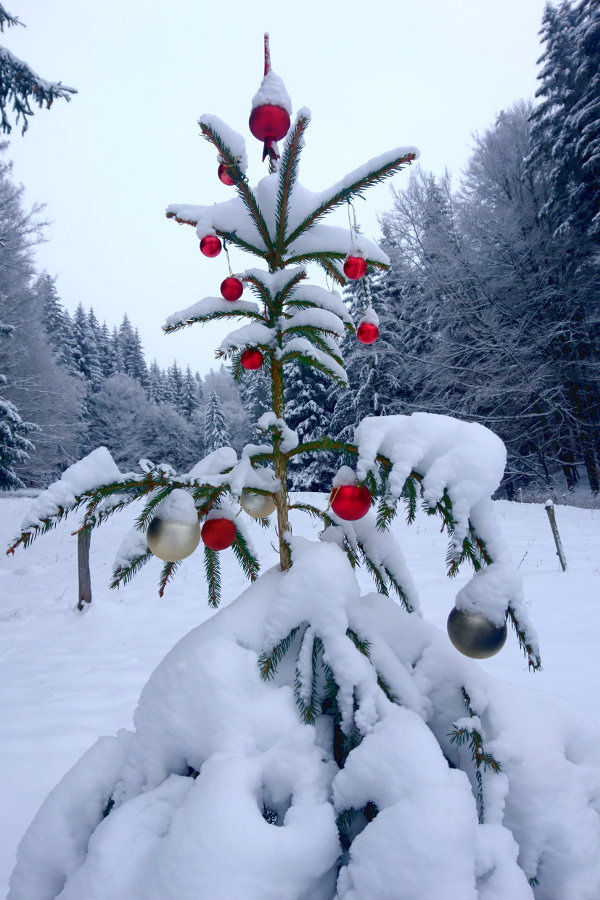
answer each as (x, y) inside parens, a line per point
(172, 540)
(257, 505)
(474, 635)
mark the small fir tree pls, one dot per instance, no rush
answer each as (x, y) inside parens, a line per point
(307, 741)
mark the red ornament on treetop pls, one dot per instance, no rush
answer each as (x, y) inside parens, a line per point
(367, 332)
(210, 245)
(269, 120)
(218, 534)
(232, 289)
(224, 176)
(355, 267)
(350, 501)
(252, 359)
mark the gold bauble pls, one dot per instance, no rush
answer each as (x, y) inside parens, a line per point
(259, 506)
(172, 540)
(474, 635)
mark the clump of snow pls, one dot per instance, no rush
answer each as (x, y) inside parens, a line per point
(344, 475)
(178, 506)
(132, 546)
(272, 92)
(369, 315)
(315, 318)
(208, 307)
(213, 464)
(254, 335)
(302, 346)
(233, 140)
(94, 470)
(289, 438)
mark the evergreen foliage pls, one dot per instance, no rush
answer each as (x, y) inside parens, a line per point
(21, 86)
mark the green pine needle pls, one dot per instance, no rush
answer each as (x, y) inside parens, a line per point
(212, 570)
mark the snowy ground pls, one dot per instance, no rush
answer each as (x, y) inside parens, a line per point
(67, 677)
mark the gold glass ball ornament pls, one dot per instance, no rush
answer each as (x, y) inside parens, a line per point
(474, 635)
(259, 506)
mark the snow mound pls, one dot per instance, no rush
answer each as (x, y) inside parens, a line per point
(222, 791)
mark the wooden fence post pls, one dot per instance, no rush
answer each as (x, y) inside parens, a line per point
(83, 568)
(549, 506)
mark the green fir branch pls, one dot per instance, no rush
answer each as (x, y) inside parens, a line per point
(313, 334)
(533, 659)
(212, 571)
(395, 584)
(387, 690)
(249, 563)
(122, 575)
(210, 317)
(308, 711)
(362, 645)
(375, 572)
(268, 662)
(355, 189)
(285, 295)
(168, 571)
(305, 360)
(314, 512)
(262, 293)
(288, 173)
(241, 184)
(385, 514)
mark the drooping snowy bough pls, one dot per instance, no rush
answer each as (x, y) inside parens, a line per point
(310, 742)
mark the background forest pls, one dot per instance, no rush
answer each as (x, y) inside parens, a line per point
(489, 312)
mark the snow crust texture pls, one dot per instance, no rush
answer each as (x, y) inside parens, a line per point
(220, 790)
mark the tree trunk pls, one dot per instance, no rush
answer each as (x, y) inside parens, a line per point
(83, 568)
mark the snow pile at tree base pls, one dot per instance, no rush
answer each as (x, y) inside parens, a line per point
(222, 791)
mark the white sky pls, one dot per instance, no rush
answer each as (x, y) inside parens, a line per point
(374, 75)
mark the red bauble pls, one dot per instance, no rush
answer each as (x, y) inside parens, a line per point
(355, 267)
(232, 289)
(224, 176)
(218, 534)
(351, 501)
(252, 359)
(269, 123)
(367, 332)
(210, 245)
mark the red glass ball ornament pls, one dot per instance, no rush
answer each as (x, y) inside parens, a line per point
(355, 267)
(232, 289)
(218, 534)
(252, 359)
(269, 123)
(210, 245)
(351, 501)
(367, 333)
(224, 176)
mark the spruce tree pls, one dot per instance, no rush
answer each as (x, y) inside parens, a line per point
(15, 446)
(216, 432)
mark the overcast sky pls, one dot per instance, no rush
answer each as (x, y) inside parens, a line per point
(374, 75)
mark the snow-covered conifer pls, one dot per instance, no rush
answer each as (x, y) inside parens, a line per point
(216, 432)
(311, 741)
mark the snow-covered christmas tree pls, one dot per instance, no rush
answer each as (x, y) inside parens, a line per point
(308, 741)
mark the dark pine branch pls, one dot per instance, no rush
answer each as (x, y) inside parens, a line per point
(268, 662)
